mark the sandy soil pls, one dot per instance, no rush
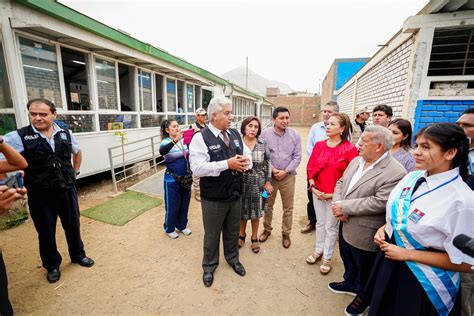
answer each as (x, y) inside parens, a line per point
(139, 270)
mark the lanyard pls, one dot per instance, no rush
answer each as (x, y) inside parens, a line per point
(185, 154)
(439, 186)
(181, 147)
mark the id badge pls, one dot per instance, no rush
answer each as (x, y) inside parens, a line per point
(405, 192)
(416, 215)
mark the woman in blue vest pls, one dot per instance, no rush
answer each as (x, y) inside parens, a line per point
(416, 272)
(177, 180)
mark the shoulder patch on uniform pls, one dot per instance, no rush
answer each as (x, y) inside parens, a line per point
(63, 135)
(236, 143)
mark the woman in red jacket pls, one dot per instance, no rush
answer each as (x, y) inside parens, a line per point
(326, 165)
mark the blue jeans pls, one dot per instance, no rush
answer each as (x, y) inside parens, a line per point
(176, 204)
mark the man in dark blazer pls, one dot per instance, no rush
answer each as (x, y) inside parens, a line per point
(360, 199)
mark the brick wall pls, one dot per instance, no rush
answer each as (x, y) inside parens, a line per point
(147, 100)
(346, 100)
(304, 110)
(384, 83)
(437, 111)
(43, 84)
(107, 95)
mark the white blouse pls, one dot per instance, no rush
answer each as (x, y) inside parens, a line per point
(448, 212)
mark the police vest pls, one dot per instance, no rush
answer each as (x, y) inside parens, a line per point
(47, 169)
(228, 185)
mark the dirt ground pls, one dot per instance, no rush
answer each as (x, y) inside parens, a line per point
(139, 270)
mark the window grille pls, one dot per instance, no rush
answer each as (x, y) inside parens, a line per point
(452, 53)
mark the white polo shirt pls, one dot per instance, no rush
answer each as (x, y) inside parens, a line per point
(448, 212)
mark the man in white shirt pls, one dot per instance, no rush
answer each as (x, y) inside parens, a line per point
(218, 156)
(317, 134)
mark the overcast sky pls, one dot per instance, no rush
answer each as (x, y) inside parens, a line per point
(289, 41)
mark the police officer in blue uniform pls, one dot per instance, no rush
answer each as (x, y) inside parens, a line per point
(50, 180)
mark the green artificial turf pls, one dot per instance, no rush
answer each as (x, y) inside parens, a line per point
(123, 208)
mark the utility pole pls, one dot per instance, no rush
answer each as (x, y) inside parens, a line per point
(247, 72)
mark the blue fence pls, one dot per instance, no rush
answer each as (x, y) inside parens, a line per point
(434, 111)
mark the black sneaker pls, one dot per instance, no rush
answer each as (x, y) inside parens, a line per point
(341, 288)
(357, 307)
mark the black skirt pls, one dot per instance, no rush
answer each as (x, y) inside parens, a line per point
(393, 289)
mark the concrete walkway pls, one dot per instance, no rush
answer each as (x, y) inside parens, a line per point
(152, 185)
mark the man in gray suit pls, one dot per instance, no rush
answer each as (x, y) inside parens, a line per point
(360, 199)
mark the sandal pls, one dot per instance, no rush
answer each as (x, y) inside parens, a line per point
(325, 267)
(241, 241)
(255, 245)
(313, 258)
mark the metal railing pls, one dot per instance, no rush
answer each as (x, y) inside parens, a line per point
(123, 157)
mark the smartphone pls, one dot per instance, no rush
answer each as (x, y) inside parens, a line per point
(13, 181)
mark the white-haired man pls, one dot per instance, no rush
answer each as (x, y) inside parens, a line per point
(360, 199)
(218, 157)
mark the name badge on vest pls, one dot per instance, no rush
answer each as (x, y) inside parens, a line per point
(215, 147)
(236, 143)
(416, 215)
(404, 192)
(33, 137)
(63, 136)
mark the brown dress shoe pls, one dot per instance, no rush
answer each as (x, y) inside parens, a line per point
(286, 242)
(308, 228)
(264, 236)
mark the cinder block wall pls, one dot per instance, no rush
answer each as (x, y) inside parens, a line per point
(384, 83)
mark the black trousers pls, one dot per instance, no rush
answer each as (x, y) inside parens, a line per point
(220, 217)
(5, 306)
(45, 208)
(357, 263)
(310, 206)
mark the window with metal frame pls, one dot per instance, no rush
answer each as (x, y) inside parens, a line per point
(106, 84)
(40, 67)
(452, 52)
(145, 91)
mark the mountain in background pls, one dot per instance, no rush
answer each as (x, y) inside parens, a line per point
(257, 83)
